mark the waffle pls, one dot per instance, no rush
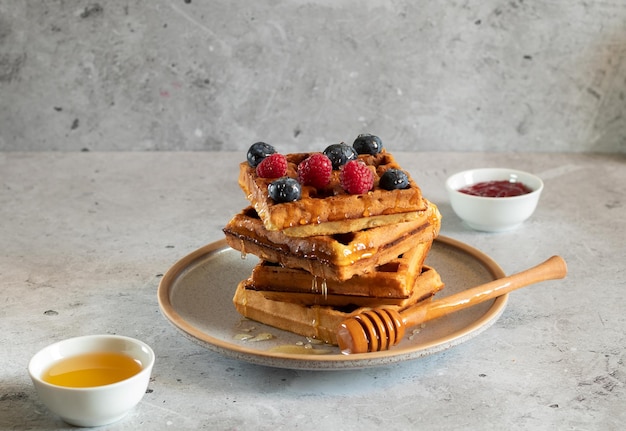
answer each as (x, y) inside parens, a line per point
(393, 282)
(285, 310)
(423, 286)
(331, 210)
(336, 257)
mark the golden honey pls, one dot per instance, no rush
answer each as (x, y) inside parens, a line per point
(92, 369)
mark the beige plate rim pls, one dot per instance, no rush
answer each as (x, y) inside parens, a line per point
(338, 361)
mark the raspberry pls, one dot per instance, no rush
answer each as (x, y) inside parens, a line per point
(356, 178)
(273, 166)
(315, 171)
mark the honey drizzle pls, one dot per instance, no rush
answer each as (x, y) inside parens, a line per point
(315, 287)
(243, 249)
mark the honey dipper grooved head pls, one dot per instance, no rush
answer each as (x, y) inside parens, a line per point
(351, 337)
(371, 331)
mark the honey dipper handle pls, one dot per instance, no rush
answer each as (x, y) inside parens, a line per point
(552, 269)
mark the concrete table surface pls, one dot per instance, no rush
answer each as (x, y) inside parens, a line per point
(85, 238)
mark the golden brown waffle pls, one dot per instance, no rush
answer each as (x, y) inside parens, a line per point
(424, 286)
(337, 257)
(392, 282)
(284, 310)
(331, 210)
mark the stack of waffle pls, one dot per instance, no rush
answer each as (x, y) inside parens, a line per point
(330, 254)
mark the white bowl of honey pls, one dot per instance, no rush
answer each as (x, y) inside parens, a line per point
(92, 380)
(494, 199)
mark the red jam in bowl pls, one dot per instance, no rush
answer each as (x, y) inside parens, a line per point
(496, 189)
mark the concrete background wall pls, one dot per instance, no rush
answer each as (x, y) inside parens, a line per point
(474, 75)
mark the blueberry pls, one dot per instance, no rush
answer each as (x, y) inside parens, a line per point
(340, 154)
(368, 144)
(394, 179)
(258, 152)
(284, 189)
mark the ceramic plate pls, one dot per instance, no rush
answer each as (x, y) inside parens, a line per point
(195, 295)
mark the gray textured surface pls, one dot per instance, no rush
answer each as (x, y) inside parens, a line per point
(219, 75)
(85, 237)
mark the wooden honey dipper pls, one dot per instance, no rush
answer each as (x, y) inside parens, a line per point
(379, 329)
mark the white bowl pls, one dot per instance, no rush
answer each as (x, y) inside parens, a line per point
(96, 405)
(493, 214)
